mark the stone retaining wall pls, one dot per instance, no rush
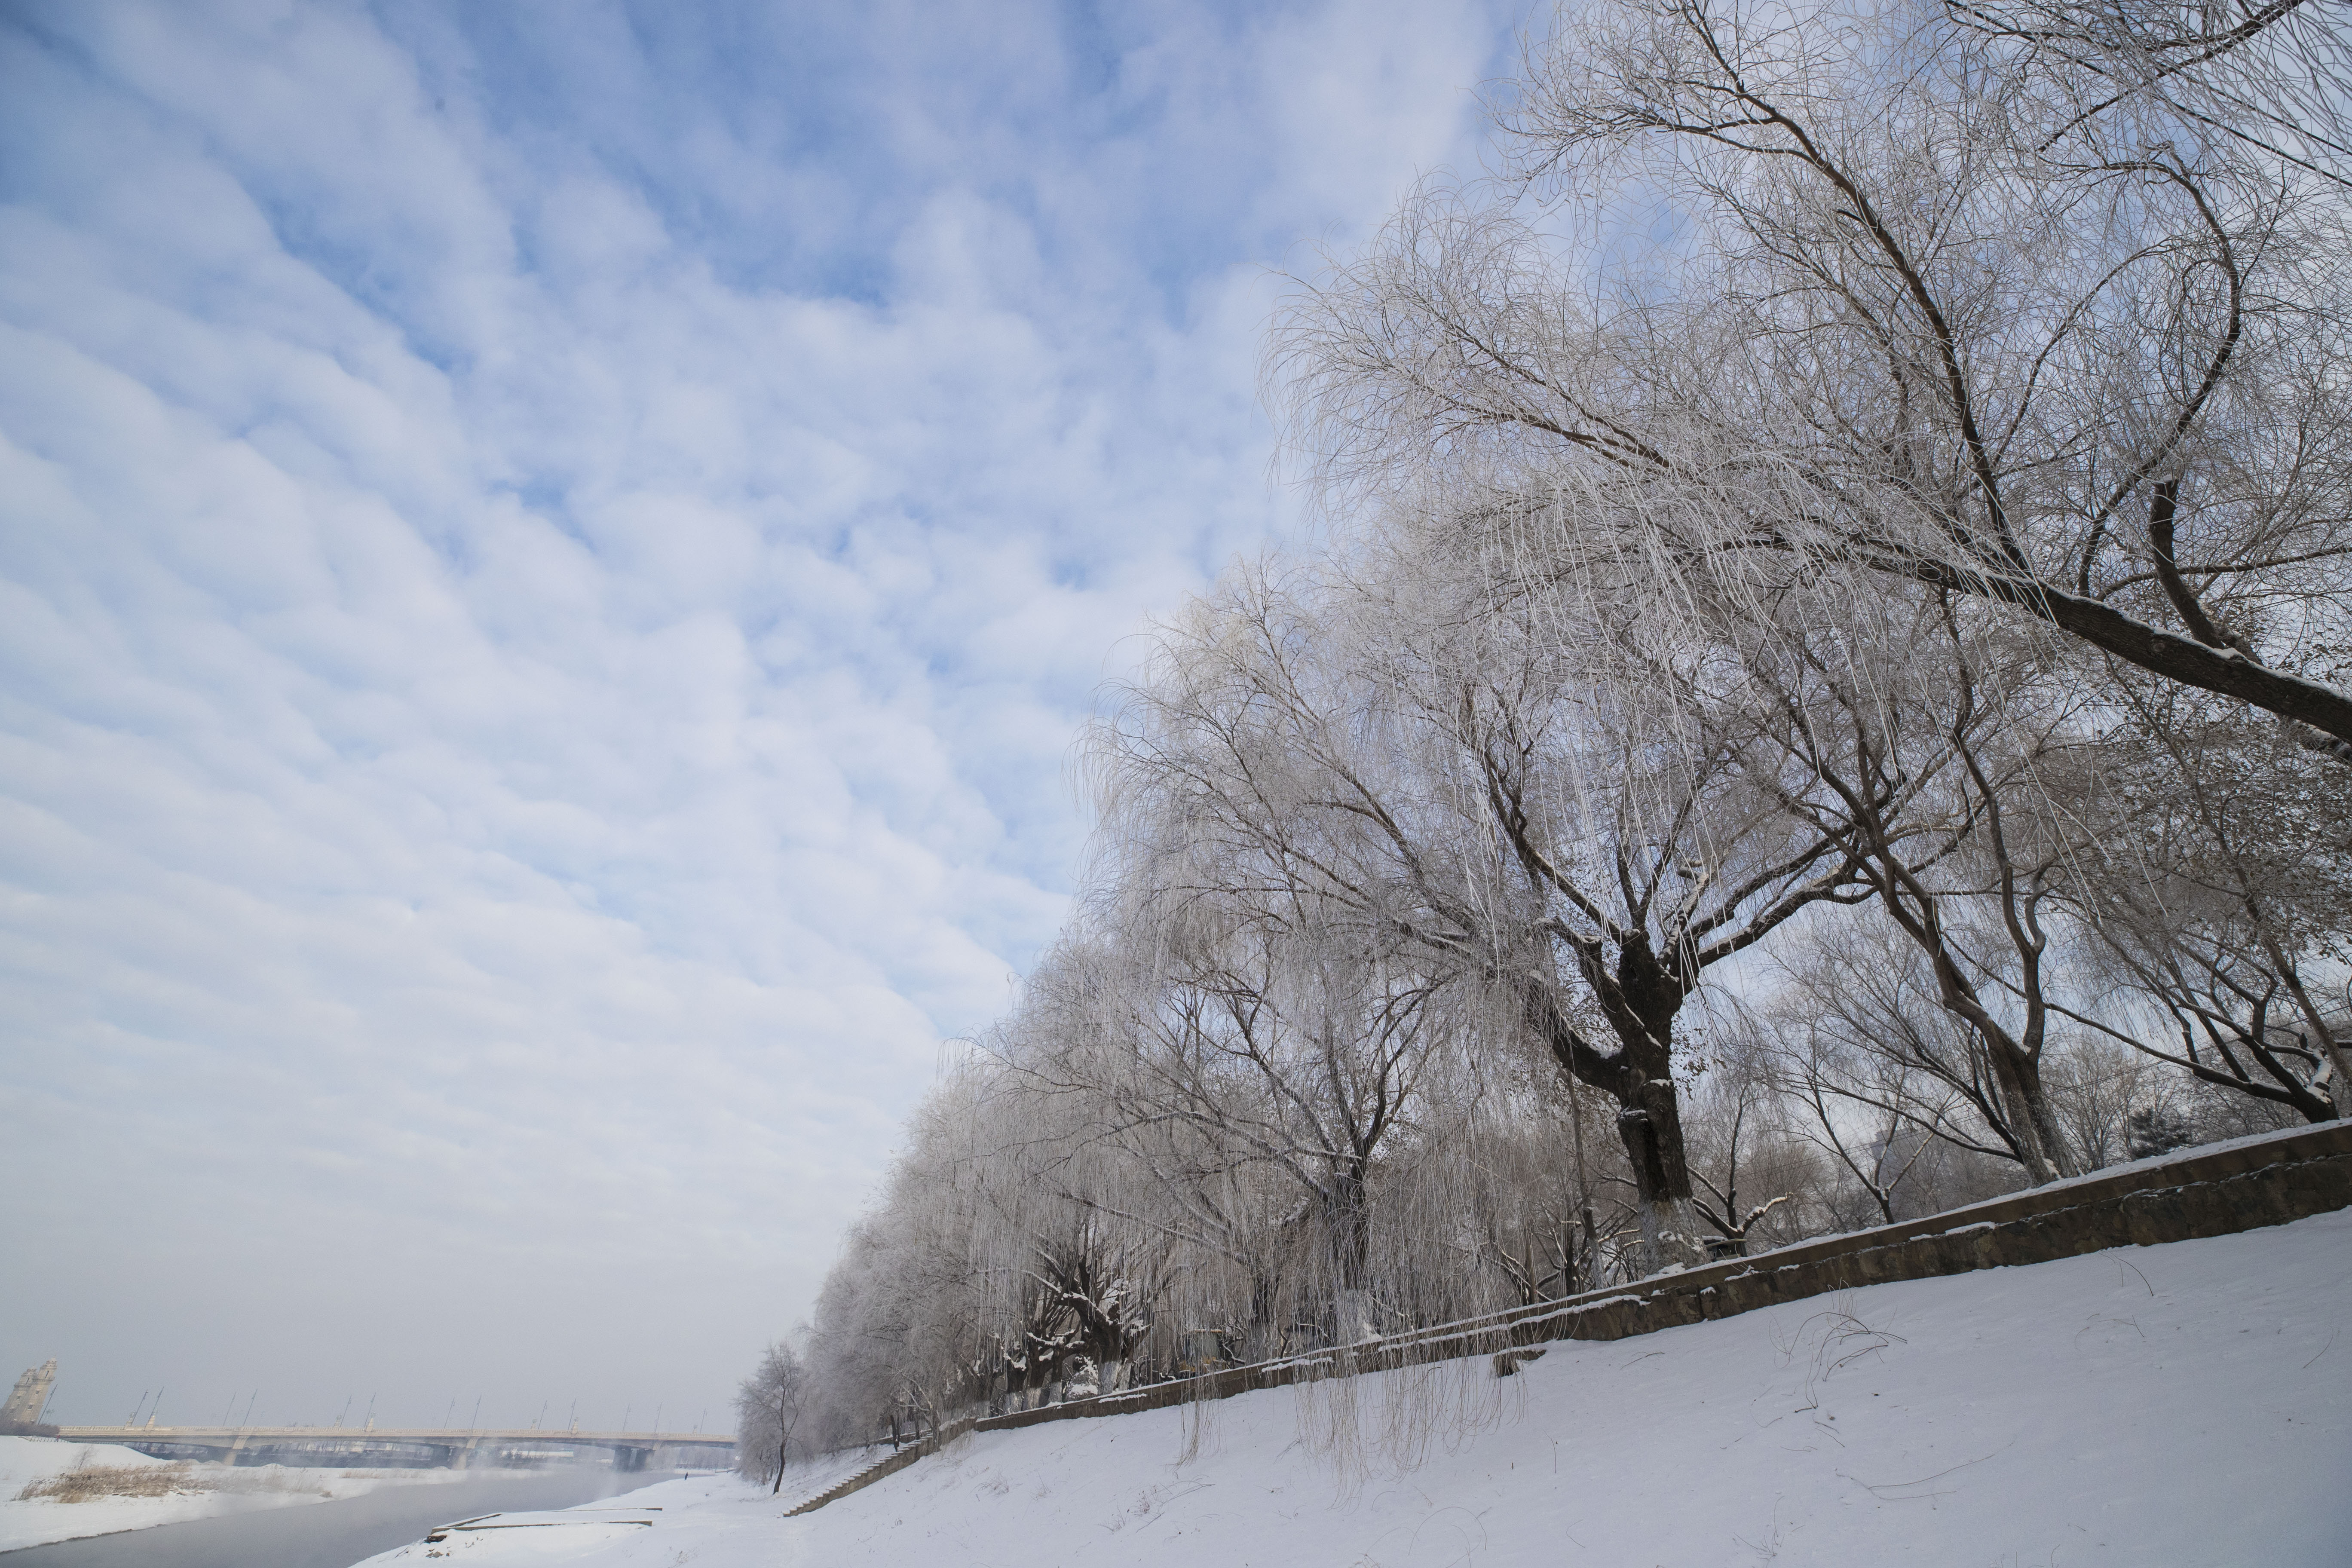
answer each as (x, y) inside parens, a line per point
(2239, 1186)
(889, 1464)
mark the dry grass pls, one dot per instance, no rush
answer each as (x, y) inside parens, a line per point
(137, 1480)
(97, 1483)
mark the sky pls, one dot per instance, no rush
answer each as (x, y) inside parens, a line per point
(552, 561)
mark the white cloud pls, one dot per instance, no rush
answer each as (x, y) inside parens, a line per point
(546, 583)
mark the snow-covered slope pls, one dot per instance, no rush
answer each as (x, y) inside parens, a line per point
(2185, 1405)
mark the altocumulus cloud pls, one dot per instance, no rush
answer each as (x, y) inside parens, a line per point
(551, 558)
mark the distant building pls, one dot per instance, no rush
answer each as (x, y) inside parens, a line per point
(32, 1397)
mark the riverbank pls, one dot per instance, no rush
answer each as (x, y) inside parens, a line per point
(53, 1489)
(331, 1533)
(689, 1509)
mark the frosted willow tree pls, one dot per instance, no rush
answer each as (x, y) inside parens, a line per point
(2224, 893)
(2040, 305)
(1446, 779)
(1073, 1276)
(2061, 845)
(1259, 992)
(768, 1408)
(1646, 820)
(1138, 1148)
(1929, 703)
(902, 1327)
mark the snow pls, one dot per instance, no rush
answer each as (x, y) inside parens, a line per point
(591, 1524)
(24, 1460)
(2185, 1405)
(2171, 1157)
(198, 1491)
(698, 1505)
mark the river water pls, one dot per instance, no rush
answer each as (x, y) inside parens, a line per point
(332, 1534)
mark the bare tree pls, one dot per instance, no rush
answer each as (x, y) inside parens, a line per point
(1281, 1049)
(1650, 854)
(2052, 325)
(1867, 1044)
(1969, 871)
(2223, 890)
(1872, 1109)
(1743, 1153)
(2110, 1098)
(1446, 776)
(768, 1407)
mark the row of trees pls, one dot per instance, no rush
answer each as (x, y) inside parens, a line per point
(1821, 695)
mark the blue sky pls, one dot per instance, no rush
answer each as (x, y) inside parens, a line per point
(551, 561)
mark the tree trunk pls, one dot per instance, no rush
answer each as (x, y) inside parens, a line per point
(1259, 1336)
(1347, 1242)
(1583, 1261)
(2054, 1145)
(1639, 1076)
(2018, 1071)
(2024, 1131)
(1037, 1376)
(1649, 1121)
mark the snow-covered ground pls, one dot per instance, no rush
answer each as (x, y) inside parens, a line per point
(173, 1494)
(2176, 1406)
(740, 1513)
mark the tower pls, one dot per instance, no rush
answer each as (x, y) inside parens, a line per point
(31, 1396)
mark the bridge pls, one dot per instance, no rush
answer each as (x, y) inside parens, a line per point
(413, 1446)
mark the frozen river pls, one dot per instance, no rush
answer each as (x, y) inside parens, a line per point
(330, 1534)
